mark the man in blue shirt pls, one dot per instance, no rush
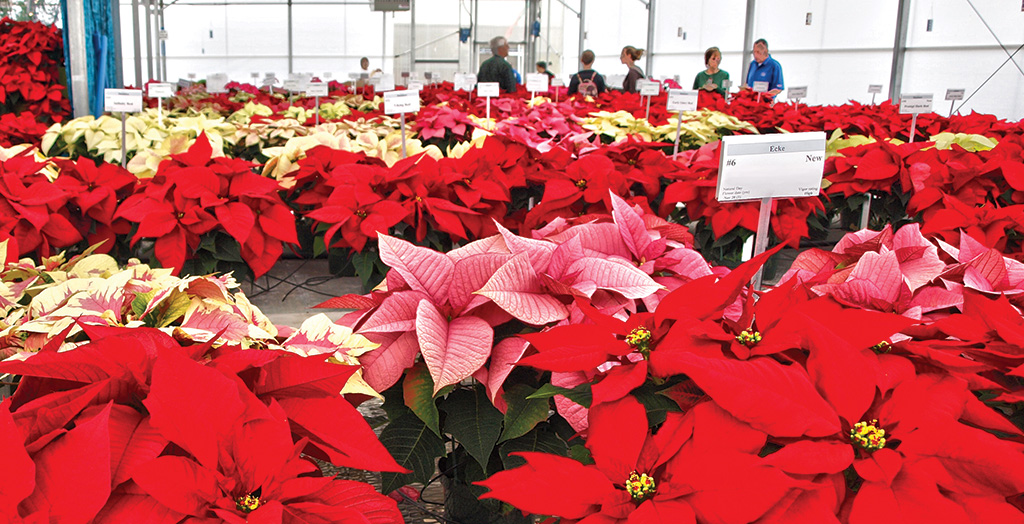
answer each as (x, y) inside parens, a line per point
(764, 68)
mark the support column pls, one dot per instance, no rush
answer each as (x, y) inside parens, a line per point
(748, 40)
(899, 51)
(148, 6)
(115, 14)
(650, 38)
(78, 73)
(583, 29)
(290, 57)
(161, 43)
(412, 35)
(138, 42)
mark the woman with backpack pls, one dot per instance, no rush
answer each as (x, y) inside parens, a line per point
(587, 82)
(629, 57)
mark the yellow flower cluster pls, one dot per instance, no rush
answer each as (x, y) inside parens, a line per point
(868, 435)
(640, 486)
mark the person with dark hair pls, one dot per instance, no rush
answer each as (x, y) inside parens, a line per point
(587, 82)
(629, 57)
(542, 67)
(712, 79)
(764, 68)
(496, 68)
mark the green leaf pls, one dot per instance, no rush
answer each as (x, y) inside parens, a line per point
(394, 402)
(523, 413)
(657, 405)
(414, 447)
(365, 263)
(417, 391)
(541, 439)
(580, 394)
(176, 308)
(141, 302)
(581, 454)
(473, 421)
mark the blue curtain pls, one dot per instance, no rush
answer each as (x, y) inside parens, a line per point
(101, 62)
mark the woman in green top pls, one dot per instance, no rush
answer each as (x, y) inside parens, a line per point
(713, 79)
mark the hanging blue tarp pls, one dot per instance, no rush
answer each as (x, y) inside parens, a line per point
(101, 60)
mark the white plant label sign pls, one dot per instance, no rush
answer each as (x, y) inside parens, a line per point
(314, 89)
(681, 100)
(536, 82)
(122, 100)
(955, 94)
(217, 83)
(771, 166)
(650, 88)
(161, 90)
(798, 93)
(487, 89)
(396, 102)
(760, 87)
(915, 103)
(874, 88)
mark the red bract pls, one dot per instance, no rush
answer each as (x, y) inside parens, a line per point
(193, 194)
(95, 192)
(32, 208)
(356, 206)
(31, 56)
(114, 437)
(691, 470)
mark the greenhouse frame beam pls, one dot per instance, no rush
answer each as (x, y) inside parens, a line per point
(650, 37)
(412, 36)
(148, 6)
(583, 27)
(748, 40)
(138, 42)
(899, 50)
(78, 74)
(291, 53)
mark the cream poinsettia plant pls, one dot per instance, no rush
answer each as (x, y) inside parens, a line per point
(969, 142)
(697, 127)
(42, 301)
(378, 138)
(148, 138)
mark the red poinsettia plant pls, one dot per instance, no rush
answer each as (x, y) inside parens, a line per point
(808, 409)
(194, 195)
(106, 433)
(32, 91)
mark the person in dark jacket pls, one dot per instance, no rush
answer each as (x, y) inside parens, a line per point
(591, 80)
(496, 68)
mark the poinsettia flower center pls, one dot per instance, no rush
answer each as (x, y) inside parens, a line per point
(181, 214)
(631, 161)
(868, 435)
(882, 347)
(640, 486)
(640, 340)
(581, 183)
(360, 213)
(749, 337)
(249, 502)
